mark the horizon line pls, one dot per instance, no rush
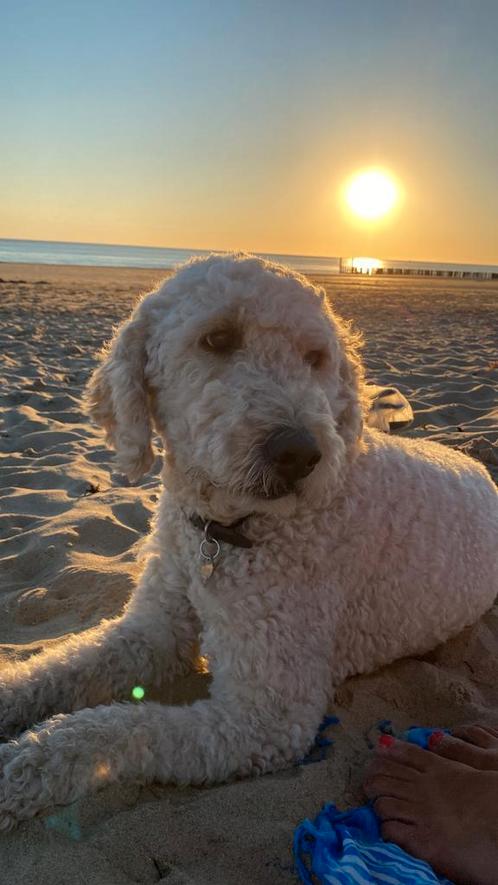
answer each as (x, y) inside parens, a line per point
(227, 251)
(180, 248)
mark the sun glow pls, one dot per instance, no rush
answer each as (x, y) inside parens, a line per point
(365, 265)
(371, 194)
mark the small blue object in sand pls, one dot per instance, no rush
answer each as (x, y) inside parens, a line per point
(347, 848)
(318, 751)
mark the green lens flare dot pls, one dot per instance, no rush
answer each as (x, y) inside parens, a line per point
(137, 693)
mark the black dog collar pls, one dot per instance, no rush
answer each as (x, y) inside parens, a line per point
(216, 531)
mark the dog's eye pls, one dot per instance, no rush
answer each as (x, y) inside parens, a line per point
(315, 358)
(220, 341)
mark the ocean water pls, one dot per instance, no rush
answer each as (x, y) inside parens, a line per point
(102, 255)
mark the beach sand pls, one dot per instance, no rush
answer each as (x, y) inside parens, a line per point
(70, 527)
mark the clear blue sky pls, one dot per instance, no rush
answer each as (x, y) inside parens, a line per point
(234, 124)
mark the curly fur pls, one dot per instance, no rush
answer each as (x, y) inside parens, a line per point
(387, 548)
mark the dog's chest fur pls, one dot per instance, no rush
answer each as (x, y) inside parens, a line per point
(246, 585)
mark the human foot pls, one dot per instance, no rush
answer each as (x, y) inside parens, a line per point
(473, 745)
(439, 810)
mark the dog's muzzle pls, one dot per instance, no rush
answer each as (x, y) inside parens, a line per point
(292, 454)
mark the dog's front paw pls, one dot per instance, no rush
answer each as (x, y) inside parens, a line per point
(23, 791)
(35, 773)
(12, 712)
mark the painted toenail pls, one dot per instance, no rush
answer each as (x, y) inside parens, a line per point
(385, 741)
(435, 739)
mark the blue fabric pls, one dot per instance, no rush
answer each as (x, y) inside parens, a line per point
(347, 848)
(420, 736)
(318, 751)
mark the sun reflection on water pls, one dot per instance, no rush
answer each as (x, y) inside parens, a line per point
(365, 265)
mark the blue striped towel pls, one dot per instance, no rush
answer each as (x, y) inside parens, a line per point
(346, 847)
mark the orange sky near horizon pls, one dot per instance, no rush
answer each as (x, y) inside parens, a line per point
(198, 128)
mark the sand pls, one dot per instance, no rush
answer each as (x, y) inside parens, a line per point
(70, 526)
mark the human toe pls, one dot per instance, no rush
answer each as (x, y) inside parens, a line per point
(391, 808)
(404, 753)
(377, 784)
(451, 747)
(485, 736)
(399, 832)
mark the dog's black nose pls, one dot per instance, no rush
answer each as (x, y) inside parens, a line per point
(293, 453)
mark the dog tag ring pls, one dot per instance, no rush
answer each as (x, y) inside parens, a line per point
(209, 552)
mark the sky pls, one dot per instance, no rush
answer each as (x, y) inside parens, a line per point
(234, 124)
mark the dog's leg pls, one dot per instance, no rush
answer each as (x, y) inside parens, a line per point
(71, 755)
(153, 639)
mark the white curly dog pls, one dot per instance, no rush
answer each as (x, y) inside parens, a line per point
(297, 546)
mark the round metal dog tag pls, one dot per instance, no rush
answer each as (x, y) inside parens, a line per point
(209, 552)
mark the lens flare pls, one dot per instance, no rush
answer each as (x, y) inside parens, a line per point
(371, 194)
(202, 665)
(138, 693)
(102, 771)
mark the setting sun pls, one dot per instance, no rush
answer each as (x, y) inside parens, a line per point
(371, 194)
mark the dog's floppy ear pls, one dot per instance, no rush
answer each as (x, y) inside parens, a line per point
(117, 398)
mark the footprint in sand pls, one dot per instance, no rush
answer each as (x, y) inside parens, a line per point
(24, 419)
(48, 478)
(134, 515)
(28, 557)
(13, 523)
(45, 440)
(89, 594)
(99, 456)
(36, 503)
(104, 536)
